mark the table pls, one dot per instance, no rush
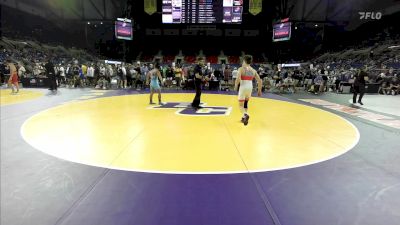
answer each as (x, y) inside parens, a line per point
(371, 88)
(35, 82)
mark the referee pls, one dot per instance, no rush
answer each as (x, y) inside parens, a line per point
(199, 77)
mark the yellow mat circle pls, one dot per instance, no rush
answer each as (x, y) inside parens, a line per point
(124, 133)
(6, 98)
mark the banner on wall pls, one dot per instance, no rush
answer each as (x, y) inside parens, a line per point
(150, 6)
(255, 6)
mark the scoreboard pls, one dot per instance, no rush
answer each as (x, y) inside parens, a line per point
(123, 29)
(202, 11)
(282, 30)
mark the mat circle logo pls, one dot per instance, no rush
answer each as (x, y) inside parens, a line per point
(185, 109)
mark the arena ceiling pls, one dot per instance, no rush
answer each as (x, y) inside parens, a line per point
(298, 10)
(84, 10)
(340, 10)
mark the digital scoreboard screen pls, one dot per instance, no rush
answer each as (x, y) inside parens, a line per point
(123, 29)
(282, 31)
(202, 11)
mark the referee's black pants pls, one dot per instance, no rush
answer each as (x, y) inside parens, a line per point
(196, 100)
(358, 89)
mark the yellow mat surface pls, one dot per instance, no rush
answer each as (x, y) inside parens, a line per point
(123, 132)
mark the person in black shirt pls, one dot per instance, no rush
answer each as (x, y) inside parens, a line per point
(199, 76)
(395, 85)
(359, 86)
(51, 75)
(324, 84)
(75, 73)
(3, 72)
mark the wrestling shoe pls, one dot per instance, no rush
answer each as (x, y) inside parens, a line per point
(246, 120)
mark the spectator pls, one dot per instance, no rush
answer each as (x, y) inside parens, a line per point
(75, 75)
(62, 75)
(102, 83)
(36, 70)
(90, 74)
(318, 81)
(130, 74)
(144, 70)
(308, 80)
(227, 73)
(51, 75)
(323, 86)
(124, 74)
(178, 75)
(395, 85)
(385, 85)
(3, 68)
(21, 70)
(218, 74)
(234, 74)
(102, 71)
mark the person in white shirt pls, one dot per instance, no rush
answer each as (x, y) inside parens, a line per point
(110, 71)
(131, 75)
(21, 70)
(288, 84)
(90, 74)
(62, 75)
(234, 74)
(36, 70)
(102, 71)
(124, 76)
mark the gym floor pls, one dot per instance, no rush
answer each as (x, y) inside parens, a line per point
(108, 157)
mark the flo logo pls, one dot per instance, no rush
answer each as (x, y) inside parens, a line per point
(370, 15)
(185, 109)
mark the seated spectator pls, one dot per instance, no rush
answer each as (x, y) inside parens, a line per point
(267, 83)
(102, 83)
(385, 85)
(324, 84)
(308, 80)
(318, 81)
(75, 72)
(3, 70)
(395, 85)
(288, 84)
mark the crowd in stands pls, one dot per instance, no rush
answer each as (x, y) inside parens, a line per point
(328, 72)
